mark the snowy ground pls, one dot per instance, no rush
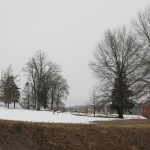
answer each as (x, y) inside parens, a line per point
(47, 116)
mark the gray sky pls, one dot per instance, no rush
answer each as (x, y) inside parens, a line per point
(67, 30)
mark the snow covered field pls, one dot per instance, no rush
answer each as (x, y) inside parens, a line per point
(47, 116)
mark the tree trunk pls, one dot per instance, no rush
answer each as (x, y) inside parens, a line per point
(57, 105)
(52, 101)
(8, 103)
(94, 111)
(35, 103)
(38, 105)
(52, 104)
(14, 104)
(120, 113)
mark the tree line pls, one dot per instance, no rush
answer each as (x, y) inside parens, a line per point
(121, 64)
(45, 86)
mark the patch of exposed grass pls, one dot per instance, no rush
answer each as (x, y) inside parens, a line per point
(112, 135)
(133, 122)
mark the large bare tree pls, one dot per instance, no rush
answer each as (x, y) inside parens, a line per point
(35, 69)
(142, 28)
(43, 78)
(119, 58)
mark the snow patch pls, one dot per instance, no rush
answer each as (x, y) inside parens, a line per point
(50, 117)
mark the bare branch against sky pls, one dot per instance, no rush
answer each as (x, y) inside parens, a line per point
(66, 30)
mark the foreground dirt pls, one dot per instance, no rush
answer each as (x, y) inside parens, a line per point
(114, 135)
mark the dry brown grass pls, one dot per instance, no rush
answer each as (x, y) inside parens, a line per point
(114, 135)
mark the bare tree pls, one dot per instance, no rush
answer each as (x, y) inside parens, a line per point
(142, 27)
(119, 54)
(35, 69)
(61, 91)
(43, 77)
(54, 80)
(93, 100)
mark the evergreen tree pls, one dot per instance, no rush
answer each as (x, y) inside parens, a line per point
(27, 100)
(15, 91)
(121, 95)
(8, 88)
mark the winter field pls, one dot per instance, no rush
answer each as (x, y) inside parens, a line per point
(30, 129)
(114, 135)
(19, 114)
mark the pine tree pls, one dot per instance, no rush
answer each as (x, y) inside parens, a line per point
(121, 95)
(27, 99)
(9, 91)
(15, 91)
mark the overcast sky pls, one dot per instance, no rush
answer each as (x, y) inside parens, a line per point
(66, 30)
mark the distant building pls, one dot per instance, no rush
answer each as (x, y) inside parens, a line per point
(145, 110)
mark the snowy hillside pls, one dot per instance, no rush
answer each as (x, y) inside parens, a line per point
(47, 116)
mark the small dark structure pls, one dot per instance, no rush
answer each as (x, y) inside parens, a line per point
(145, 110)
